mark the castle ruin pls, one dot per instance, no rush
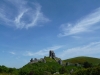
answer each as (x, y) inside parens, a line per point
(51, 54)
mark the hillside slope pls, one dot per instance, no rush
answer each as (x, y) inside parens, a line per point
(83, 59)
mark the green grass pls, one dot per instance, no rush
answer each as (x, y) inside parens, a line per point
(49, 59)
(83, 59)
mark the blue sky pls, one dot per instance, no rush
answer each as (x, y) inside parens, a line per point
(30, 28)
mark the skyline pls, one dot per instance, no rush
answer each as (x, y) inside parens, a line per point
(29, 29)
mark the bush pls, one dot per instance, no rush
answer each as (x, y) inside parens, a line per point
(89, 71)
(62, 70)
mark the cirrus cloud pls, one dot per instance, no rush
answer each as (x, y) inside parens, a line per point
(21, 14)
(87, 24)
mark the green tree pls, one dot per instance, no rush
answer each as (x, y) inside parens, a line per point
(87, 65)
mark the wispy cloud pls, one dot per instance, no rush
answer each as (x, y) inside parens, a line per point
(87, 24)
(92, 49)
(21, 14)
(12, 53)
(42, 52)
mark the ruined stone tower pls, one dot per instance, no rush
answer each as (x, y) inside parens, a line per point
(51, 54)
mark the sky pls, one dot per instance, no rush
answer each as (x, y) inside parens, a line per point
(30, 28)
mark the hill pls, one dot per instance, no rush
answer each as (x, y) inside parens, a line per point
(51, 65)
(83, 59)
(39, 68)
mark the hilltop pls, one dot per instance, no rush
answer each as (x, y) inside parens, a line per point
(82, 59)
(51, 58)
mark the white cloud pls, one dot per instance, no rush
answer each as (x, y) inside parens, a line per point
(12, 53)
(42, 52)
(76, 37)
(92, 49)
(21, 14)
(87, 24)
(18, 20)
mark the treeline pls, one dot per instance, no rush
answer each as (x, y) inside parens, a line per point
(88, 71)
(40, 68)
(5, 70)
(51, 68)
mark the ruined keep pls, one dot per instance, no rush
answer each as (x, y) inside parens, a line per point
(51, 54)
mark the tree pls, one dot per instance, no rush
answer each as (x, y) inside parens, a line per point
(87, 64)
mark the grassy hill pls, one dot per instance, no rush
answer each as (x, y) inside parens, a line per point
(39, 68)
(52, 66)
(83, 59)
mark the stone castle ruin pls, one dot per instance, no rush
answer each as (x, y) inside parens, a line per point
(35, 60)
(51, 55)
